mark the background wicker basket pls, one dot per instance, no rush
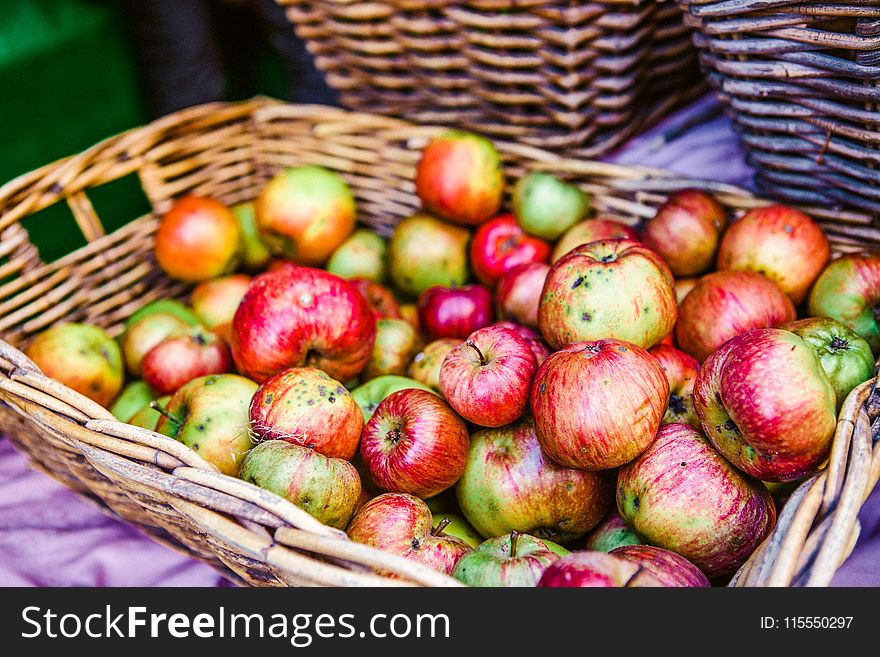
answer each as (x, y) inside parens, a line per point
(560, 75)
(230, 151)
(802, 82)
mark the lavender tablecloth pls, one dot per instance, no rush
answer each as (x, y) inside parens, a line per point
(50, 537)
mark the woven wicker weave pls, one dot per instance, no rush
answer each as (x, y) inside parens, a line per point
(230, 151)
(560, 75)
(802, 81)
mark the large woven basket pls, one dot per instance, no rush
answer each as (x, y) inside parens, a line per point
(802, 82)
(160, 485)
(576, 76)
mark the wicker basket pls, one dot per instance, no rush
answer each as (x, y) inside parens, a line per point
(160, 485)
(580, 77)
(802, 82)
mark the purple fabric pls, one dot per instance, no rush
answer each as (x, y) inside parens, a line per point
(50, 537)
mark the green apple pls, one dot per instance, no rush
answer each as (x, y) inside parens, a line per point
(546, 207)
(148, 417)
(363, 254)
(170, 306)
(612, 532)
(425, 252)
(255, 254)
(368, 395)
(510, 560)
(133, 398)
(457, 526)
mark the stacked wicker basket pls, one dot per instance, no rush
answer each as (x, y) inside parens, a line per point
(230, 151)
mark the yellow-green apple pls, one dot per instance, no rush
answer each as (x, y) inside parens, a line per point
(681, 372)
(457, 526)
(197, 239)
(509, 484)
(380, 299)
(499, 245)
(670, 568)
(591, 230)
(683, 286)
(424, 252)
(725, 304)
(255, 255)
(141, 336)
(169, 306)
(148, 417)
(326, 488)
(766, 404)
(304, 213)
(488, 377)
(216, 301)
(299, 316)
(363, 254)
(598, 404)
(178, 360)
(368, 395)
(848, 290)
(410, 313)
(586, 569)
(682, 495)
(511, 560)
(425, 365)
(519, 292)
(455, 312)
(305, 406)
(613, 532)
(460, 178)
(400, 524)
(397, 342)
(81, 356)
(414, 443)
(134, 397)
(846, 359)
(210, 416)
(608, 289)
(686, 231)
(546, 206)
(540, 348)
(782, 243)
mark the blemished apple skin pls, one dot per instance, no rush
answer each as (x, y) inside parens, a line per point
(305, 406)
(591, 230)
(613, 532)
(766, 404)
(597, 405)
(725, 304)
(585, 569)
(509, 484)
(299, 316)
(519, 292)
(505, 561)
(848, 290)
(681, 372)
(400, 524)
(682, 495)
(779, 242)
(414, 443)
(670, 568)
(326, 488)
(488, 377)
(608, 289)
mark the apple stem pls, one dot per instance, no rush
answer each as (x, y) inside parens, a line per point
(156, 406)
(443, 524)
(514, 536)
(470, 343)
(635, 575)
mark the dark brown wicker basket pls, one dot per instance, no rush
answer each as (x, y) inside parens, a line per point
(802, 82)
(578, 76)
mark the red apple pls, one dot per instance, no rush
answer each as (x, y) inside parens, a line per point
(681, 371)
(726, 303)
(380, 298)
(781, 243)
(454, 312)
(500, 245)
(597, 569)
(540, 348)
(609, 289)
(414, 443)
(460, 178)
(306, 407)
(686, 231)
(425, 366)
(680, 494)
(519, 292)
(598, 405)
(145, 333)
(216, 301)
(401, 524)
(397, 342)
(670, 568)
(298, 316)
(592, 230)
(176, 361)
(766, 404)
(487, 378)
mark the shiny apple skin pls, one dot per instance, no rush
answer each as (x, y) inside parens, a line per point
(681, 372)
(766, 404)
(299, 316)
(682, 495)
(670, 568)
(585, 569)
(591, 230)
(546, 206)
(142, 335)
(499, 245)
(608, 289)
(178, 360)
(725, 304)
(598, 405)
(519, 292)
(455, 312)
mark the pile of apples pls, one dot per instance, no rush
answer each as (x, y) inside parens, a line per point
(534, 397)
